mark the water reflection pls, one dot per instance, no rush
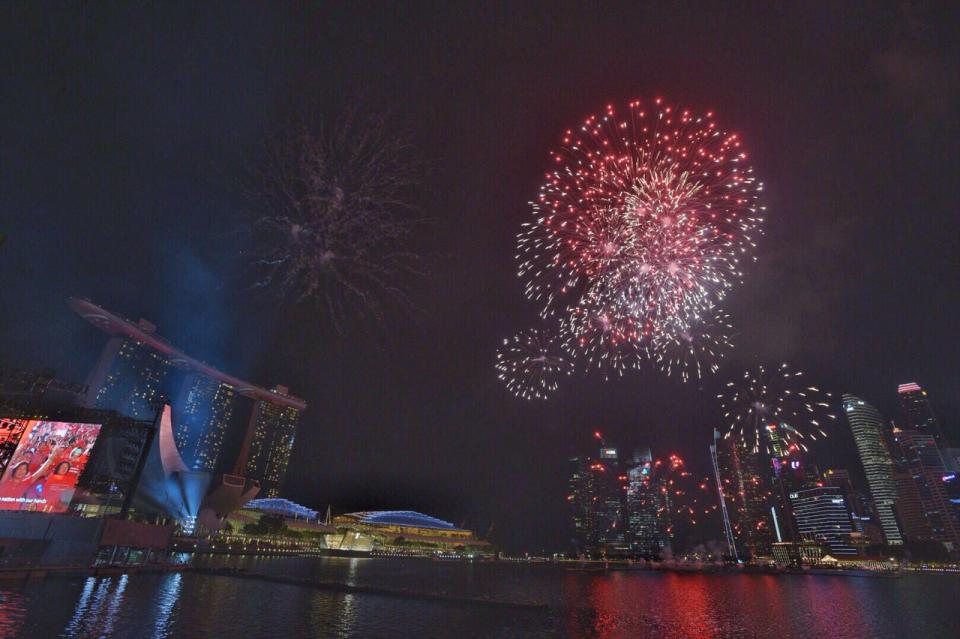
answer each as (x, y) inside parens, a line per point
(12, 613)
(604, 605)
(166, 601)
(96, 611)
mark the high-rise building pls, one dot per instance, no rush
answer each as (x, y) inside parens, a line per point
(866, 424)
(268, 443)
(748, 497)
(618, 507)
(862, 515)
(917, 413)
(722, 497)
(925, 466)
(910, 513)
(130, 377)
(139, 371)
(822, 516)
(204, 410)
(580, 499)
(647, 508)
(951, 459)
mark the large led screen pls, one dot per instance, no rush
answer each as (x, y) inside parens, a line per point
(42, 473)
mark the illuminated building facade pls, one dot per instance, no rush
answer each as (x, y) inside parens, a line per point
(747, 497)
(130, 377)
(611, 529)
(861, 513)
(917, 413)
(205, 411)
(138, 372)
(580, 501)
(866, 425)
(612, 506)
(822, 516)
(925, 466)
(647, 509)
(596, 507)
(910, 513)
(403, 532)
(269, 443)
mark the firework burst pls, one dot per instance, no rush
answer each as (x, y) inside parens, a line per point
(530, 364)
(331, 208)
(649, 213)
(693, 347)
(774, 409)
(600, 337)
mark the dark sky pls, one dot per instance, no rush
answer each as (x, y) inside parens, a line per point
(122, 130)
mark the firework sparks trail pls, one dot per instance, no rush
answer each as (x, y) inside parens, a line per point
(648, 214)
(684, 499)
(693, 346)
(331, 208)
(530, 364)
(775, 408)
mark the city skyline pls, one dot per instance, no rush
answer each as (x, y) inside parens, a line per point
(134, 210)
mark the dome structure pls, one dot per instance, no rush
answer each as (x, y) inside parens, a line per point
(401, 518)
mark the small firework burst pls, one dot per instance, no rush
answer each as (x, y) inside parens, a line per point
(530, 364)
(774, 409)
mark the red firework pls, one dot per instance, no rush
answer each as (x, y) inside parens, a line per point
(650, 211)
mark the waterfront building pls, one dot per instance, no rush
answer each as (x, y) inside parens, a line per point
(130, 377)
(722, 497)
(205, 413)
(269, 443)
(917, 413)
(866, 425)
(403, 532)
(748, 497)
(281, 507)
(581, 504)
(619, 507)
(925, 466)
(910, 513)
(596, 506)
(797, 553)
(138, 372)
(861, 513)
(647, 509)
(822, 516)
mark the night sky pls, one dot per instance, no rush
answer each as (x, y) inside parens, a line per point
(123, 131)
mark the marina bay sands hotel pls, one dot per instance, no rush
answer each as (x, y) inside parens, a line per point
(222, 425)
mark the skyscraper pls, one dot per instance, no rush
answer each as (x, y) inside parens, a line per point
(204, 410)
(721, 495)
(866, 424)
(580, 500)
(748, 497)
(910, 512)
(130, 377)
(268, 443)
(822, 515)
(917, 413)
(618, 507)
(925, 465)
(138, 371)
(647, 508)
(862, 513)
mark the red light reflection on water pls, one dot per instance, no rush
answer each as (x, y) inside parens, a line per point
(13, 611)
(607, 605)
